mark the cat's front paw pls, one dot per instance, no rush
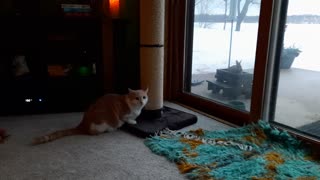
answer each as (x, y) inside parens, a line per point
(132, 122)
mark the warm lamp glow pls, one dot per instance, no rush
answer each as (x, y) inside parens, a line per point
(114, 8)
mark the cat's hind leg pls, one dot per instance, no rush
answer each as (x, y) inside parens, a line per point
(131, 121)
(96, 129)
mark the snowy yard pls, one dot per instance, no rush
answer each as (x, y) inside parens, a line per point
(211, 46)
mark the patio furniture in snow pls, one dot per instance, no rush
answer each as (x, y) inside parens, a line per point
(232, 84)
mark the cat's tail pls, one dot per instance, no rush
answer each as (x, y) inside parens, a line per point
(56, 135)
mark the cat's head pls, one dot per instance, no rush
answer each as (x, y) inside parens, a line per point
(238, 63)
(138, 97)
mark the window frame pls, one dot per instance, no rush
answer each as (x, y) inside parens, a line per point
(175, 61)
(186, 13)
(273, 71)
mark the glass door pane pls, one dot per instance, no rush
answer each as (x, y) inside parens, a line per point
(224, 51)
(298, 95)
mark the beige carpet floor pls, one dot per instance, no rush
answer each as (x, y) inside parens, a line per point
(110, 156)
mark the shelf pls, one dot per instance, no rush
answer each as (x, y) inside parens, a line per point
(36, 8)
(51, 39)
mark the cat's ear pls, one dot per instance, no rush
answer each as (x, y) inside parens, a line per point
(130, 90)
(146, 90)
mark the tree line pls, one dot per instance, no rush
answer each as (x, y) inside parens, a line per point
(294, 19)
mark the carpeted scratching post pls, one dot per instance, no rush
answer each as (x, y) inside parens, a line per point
(155, 116)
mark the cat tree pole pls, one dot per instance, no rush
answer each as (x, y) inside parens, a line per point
(155, 116)
(152, 52)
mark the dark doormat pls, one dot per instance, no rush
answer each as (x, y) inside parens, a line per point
(312, 128)
(171, 118)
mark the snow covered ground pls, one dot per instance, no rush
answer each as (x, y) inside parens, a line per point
(211, 46)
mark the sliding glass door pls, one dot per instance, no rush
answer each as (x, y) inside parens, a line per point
(295, 99)
(224, 51)
(232, 60)
(225, 56)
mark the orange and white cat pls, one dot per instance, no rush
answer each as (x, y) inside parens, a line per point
(107, 114)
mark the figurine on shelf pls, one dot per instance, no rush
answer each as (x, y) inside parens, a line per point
(20, 66)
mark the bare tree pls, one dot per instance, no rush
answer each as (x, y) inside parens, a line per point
(242, 11)
(197, 2)
(225, 13)
(203, 8)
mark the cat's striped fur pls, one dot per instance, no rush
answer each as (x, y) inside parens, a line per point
(108, 113)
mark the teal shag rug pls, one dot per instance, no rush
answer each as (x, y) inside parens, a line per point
(256, 151)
